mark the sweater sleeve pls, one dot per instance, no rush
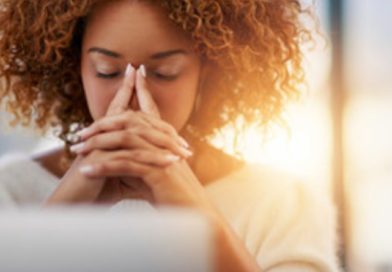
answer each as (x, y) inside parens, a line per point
(299, 232)
(23, 181)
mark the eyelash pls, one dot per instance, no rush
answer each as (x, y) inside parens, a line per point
(158, 75)
(164, 77)
(107, 76)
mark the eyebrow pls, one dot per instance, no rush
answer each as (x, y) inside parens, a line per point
(165, 54)
(159, 55)
(104, 52)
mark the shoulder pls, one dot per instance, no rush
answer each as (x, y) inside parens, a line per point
(271, 192)
(23, 180)
(279, 216)
(11, 163)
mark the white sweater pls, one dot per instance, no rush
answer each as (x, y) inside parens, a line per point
(284, 224)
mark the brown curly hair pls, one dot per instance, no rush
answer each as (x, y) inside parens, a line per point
(255, 45)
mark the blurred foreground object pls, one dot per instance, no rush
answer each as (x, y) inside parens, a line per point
(92, 239)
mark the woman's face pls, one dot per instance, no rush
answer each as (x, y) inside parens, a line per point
(129, 31)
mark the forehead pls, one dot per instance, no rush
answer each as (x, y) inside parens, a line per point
(134, 28)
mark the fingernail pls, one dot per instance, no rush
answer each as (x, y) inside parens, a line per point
(142, 70)
(82, 133)
(77, 148)
(172, 158)
(187, 152)
(86, 169)
(129, 69)
(183, 142)
(75, 139)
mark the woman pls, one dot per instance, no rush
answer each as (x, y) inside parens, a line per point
(150, 81)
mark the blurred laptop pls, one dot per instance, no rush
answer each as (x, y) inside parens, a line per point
(92, 239)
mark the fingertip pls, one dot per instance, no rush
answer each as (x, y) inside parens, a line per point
(183, 142)
(146, 102)
(188, 153)
(172, 158)
(82, 134)
(87, 169)
(129, 73)
(142, 70)
(128, 70)
(77, 148)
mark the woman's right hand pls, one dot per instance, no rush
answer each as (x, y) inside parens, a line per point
(75, 187)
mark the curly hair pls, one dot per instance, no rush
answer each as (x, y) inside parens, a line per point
(255, 45)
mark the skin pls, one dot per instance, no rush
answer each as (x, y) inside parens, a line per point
(128, 34)
(133, 148)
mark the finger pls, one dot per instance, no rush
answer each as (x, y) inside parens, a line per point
(160, 158)
(163, 140)
(115, 169)
(137, 137)
(123, 96)
(167, 128)
(134, 163)
(112, 140)
(111, 123)
(146, 102)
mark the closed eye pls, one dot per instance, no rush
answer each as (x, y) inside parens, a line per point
(165, 77)
(107, 76)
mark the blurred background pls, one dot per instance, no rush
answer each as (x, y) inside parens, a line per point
(340, 138)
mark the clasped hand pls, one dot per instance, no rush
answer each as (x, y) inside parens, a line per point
(138, 148)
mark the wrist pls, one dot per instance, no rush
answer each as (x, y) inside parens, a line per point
(230, 253)
(74, 188)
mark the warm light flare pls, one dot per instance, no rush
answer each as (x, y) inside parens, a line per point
(304, 149)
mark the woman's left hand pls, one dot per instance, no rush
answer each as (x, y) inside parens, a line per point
(171, 184)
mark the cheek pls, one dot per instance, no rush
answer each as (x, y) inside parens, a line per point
(98, 94)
